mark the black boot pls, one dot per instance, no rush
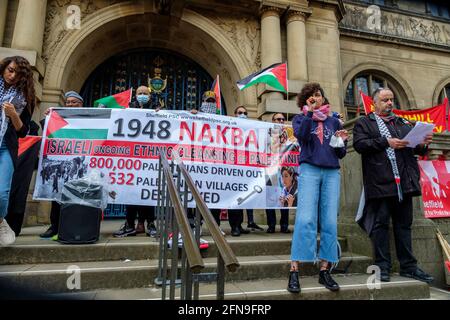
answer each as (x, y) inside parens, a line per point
(235, 232)
(294, 283)
(326, 279)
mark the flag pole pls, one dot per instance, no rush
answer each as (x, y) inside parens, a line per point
(358, 111)
(287, 82)
(447, 111)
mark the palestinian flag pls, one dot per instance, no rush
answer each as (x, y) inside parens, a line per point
(275, 76)
(117, 101)
(368, 104)
(83, 124)
(216, 89)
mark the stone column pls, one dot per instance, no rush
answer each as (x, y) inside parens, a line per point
(270, 36)
(296, 46)
(3, 13)
(270, 51)
(29, 26)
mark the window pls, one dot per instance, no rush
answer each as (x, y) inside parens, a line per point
(367, 82)
(377, 2)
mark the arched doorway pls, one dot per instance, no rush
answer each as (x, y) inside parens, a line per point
(106, 33)
(186, 80)
(73, 57)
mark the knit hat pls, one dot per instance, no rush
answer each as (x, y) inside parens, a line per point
(73, 94)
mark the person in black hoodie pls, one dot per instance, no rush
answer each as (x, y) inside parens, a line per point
(391, 179)
(17, 102)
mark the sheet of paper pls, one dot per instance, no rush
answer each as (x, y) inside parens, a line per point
(418, 133)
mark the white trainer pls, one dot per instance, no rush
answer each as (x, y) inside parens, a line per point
(7, 236)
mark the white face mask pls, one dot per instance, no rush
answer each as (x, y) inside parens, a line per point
(143, 98)
(243, 116)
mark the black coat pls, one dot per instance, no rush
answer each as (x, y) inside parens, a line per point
(378, 178)
(12, 136)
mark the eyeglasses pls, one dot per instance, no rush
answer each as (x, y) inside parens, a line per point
(242, 112)
(279, 119)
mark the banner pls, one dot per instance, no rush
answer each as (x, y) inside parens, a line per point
(434, 115)
(435, 181)
(235, 163)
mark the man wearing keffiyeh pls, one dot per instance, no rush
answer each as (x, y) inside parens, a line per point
(391, 179)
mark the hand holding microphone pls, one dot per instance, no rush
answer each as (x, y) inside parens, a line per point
(311, 102)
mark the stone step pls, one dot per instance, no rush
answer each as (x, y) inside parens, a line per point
(30, 249)
(353, 287)
(142, 273)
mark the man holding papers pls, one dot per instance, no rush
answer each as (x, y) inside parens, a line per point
(391, 179)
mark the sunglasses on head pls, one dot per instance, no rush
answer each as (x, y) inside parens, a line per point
(242, 112)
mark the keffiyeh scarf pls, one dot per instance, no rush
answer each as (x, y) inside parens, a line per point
(7, 95)
(384, 131)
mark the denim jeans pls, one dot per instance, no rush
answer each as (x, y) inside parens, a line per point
(318, 199)
(6, 174)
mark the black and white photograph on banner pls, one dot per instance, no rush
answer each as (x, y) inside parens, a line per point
(55, 172)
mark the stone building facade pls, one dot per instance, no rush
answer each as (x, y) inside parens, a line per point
(347, 46)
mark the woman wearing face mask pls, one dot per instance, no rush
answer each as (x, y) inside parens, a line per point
(319, 182)
(17, 102)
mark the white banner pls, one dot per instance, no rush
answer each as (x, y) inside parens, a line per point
(235, 163)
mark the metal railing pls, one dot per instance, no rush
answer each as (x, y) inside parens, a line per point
(186, 263)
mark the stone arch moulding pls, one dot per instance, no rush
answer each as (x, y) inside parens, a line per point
(437, 91)
(388, 73)
(58, 67)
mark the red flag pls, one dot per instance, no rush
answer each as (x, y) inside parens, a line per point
(55, 123)
(434, 115)
(216, 89)
(368, 104)
(447, 264)
(26, 143)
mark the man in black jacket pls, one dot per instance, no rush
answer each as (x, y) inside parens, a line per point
(71, 100)
(143, 213)
(391, 179)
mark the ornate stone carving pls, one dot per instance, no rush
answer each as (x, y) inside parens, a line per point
(270, 11)
(55, 24)
(397, 25)
(243, 31)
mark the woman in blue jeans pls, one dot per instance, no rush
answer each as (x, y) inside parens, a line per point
(319, 185)
(17, 101)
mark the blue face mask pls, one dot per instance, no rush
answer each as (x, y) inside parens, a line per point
(243, 116)
(143, 98)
